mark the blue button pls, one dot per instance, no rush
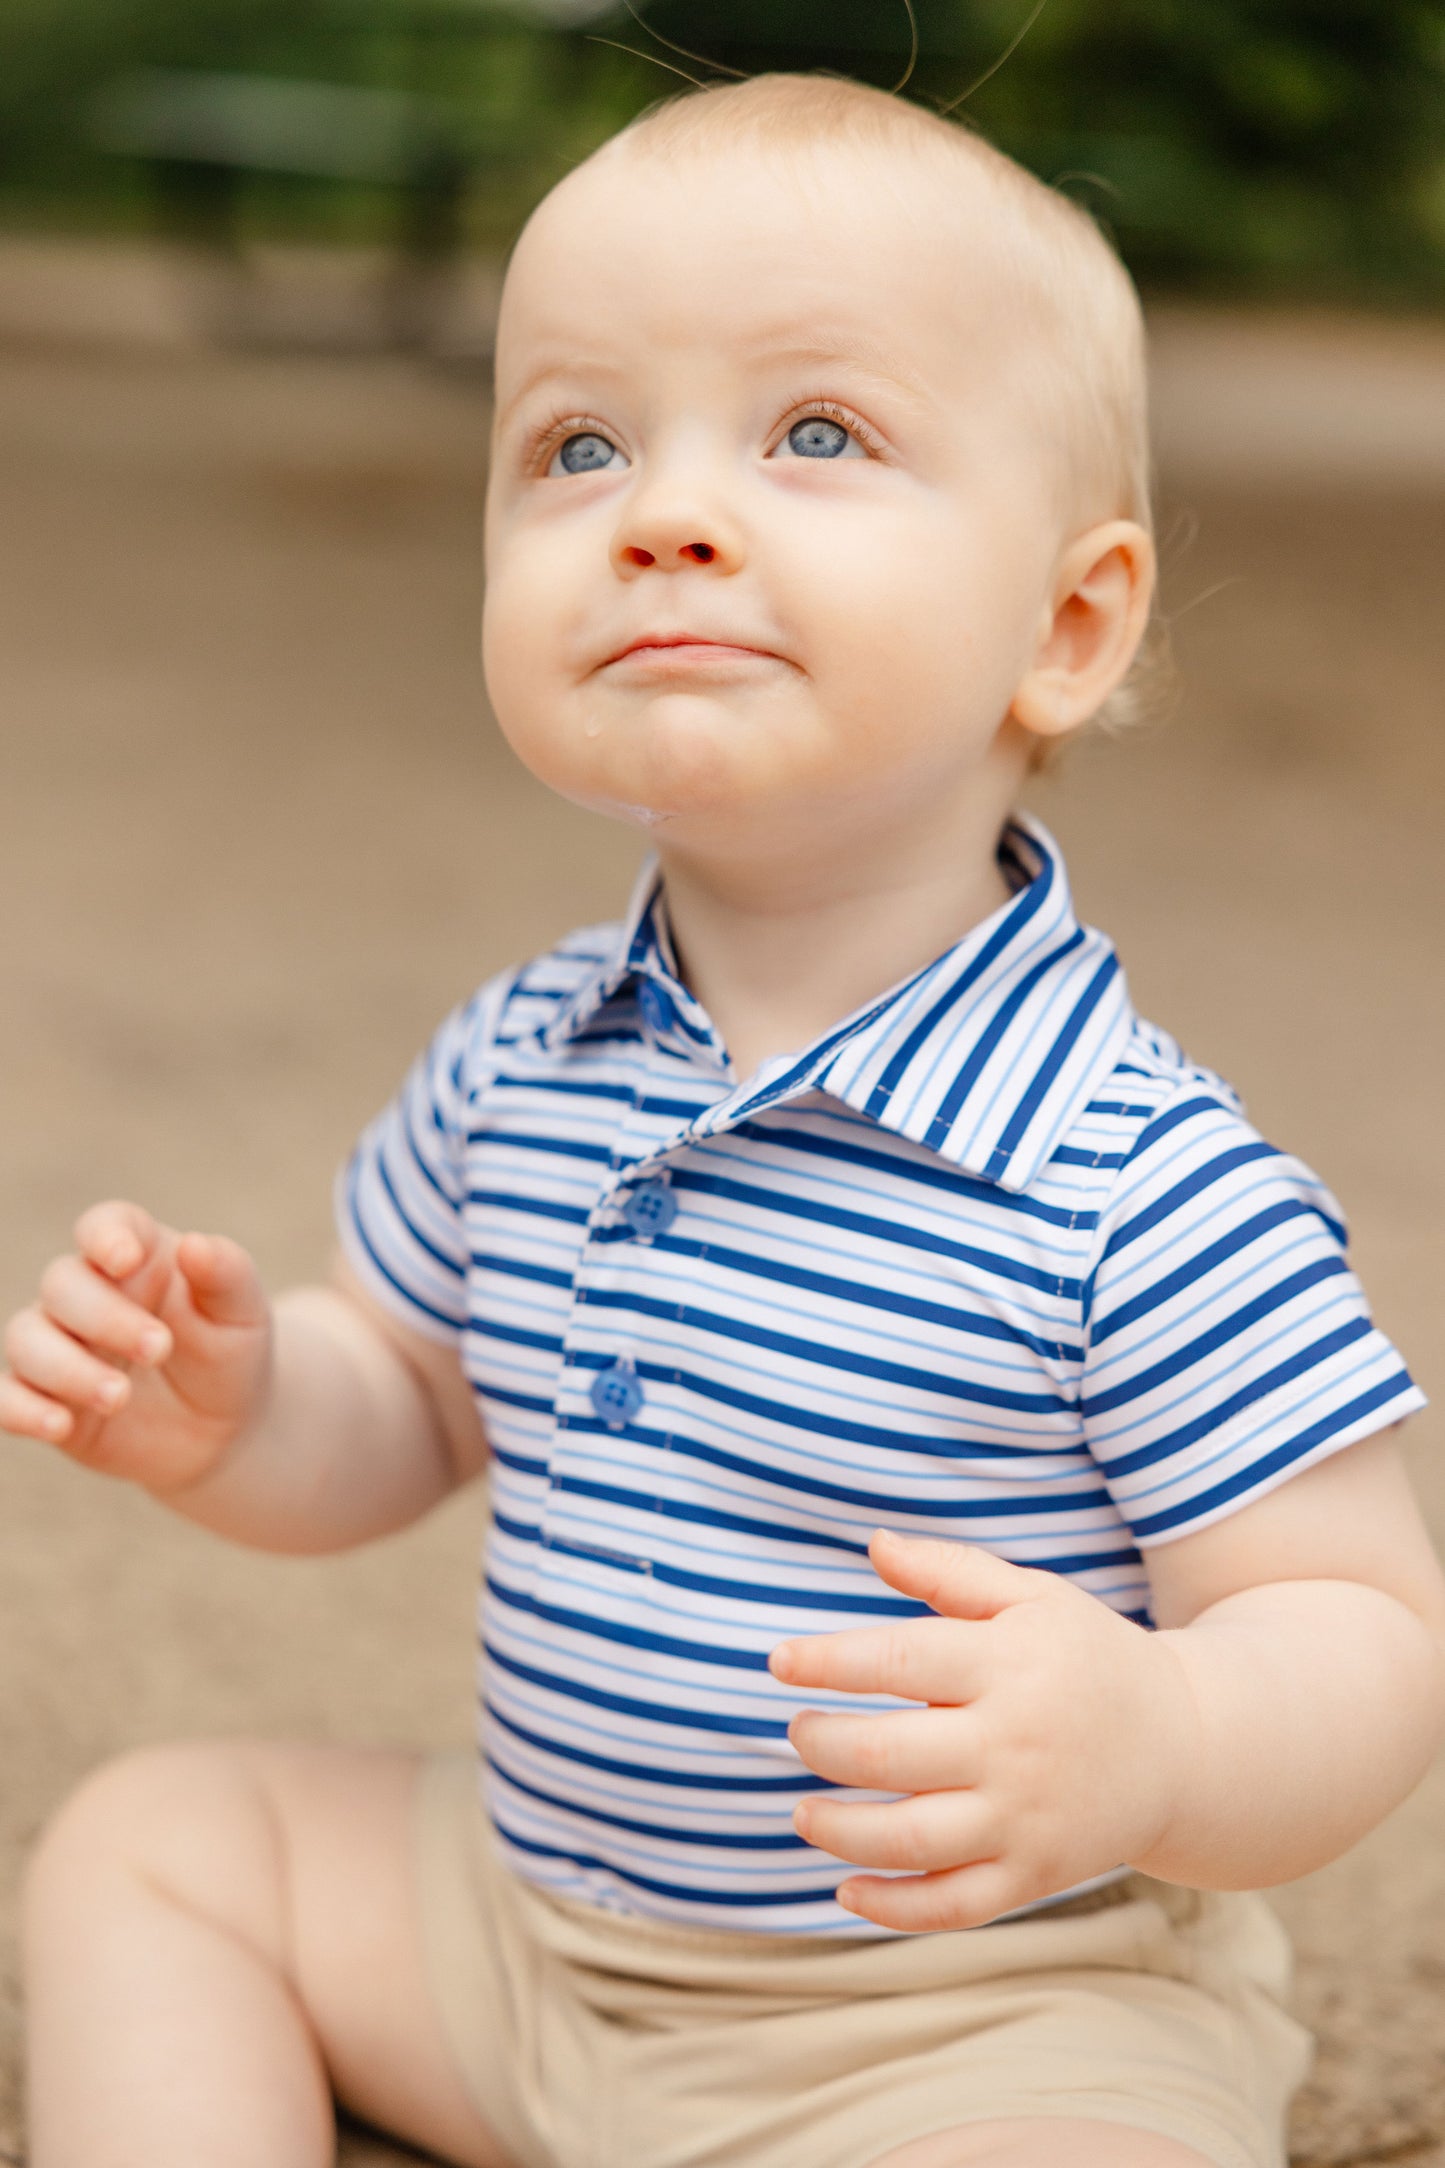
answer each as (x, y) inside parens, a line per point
(651, 1209)
(616, 1395)
(656, 1006)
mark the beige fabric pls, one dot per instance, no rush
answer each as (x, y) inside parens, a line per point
(593, 2041)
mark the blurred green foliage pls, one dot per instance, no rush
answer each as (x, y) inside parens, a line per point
(1279, 146)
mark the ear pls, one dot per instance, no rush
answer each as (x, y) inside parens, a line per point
(1089, 629)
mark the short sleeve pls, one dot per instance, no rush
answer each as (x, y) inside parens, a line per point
(1228, 1344)
(401, 1198)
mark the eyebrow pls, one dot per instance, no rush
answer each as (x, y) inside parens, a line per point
(853, 349)
(545, 371)
(826, 348)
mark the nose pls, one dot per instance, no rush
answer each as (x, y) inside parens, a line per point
(672, 520)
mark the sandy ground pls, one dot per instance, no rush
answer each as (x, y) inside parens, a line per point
(257, 833)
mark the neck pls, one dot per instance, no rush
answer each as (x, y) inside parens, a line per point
(779, 951)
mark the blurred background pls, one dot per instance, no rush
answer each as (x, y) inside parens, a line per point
(1275, 147)
(257, 832)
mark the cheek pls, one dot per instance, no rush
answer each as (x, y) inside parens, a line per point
(890, 631)
(520, 644)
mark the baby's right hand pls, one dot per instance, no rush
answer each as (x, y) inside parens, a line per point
(146, 1354)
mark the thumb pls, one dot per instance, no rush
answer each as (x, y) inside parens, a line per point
(225, 1287)
(957, 1579)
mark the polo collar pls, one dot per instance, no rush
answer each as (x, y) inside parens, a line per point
(986, 1056)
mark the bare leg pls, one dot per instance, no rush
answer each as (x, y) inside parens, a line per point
(1044, 2142)
(218, 1938)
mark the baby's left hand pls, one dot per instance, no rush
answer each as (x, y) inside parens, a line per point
(1056, 1743)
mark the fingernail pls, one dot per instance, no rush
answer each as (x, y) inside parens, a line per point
(121, 1258)
(111, 1392)
(780, 1663)
(154, 1343)
(56, 1423)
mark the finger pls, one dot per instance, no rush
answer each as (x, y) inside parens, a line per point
(904, 1750)
(921, 1659)
(28, 1414)
(224, 1283)
(118, 1238)
(918, 1836)
(958, 1579)
(923, 1904)
(48, 1360)
(84, 1302)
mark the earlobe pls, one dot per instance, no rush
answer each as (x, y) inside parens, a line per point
(1091, 629)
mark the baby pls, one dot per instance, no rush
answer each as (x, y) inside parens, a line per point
(948, 1549)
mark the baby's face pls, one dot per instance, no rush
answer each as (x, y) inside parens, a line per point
(770, 526)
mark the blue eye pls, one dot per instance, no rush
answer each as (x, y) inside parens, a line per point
(585, 453)
(816, 437)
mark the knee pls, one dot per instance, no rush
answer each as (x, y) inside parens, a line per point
(178, 1816)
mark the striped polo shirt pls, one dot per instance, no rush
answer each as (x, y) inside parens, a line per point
(989, 1260)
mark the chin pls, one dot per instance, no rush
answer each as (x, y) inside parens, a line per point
(640, 772)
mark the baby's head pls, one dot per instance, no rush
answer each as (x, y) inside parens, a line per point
(819, 501)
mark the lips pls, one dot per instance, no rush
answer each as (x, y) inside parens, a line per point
(700, 644)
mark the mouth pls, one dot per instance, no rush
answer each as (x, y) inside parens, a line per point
(686, 650)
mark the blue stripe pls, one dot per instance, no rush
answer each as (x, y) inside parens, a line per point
(519, 1268)
(1334, 1425)
(1173, 1117)
(882, 1503)
(593, 1088)
(881, 1436)
(900, 1166)
(514, 1140)
(1193, 1185)
(411, 1300)
(449, 1265)
(445, 1198)
(667, 1889)
(631, 1637)
(980, 1323)
(660, 1832)
(959, 1386)
(1180, 1359)
(547, 1343)
(1198, 1267)
(1025, 907)
(822, 1601)
(1070, 1155)
(646, 1773)
(681, 1509)
(648, 1712)
(571, 1215)
(532, 1403)
(989, 1041)
(1048, 1071)
(1212, 1419)
(779, 1204)
(819, 1601)
(519, 1463)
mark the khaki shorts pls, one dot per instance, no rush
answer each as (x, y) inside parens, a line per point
(593, 2041)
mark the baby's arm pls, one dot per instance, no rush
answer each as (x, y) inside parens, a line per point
(1295, 1693)
(156, 1356)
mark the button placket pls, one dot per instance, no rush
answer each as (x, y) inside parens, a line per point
(635, 1202)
